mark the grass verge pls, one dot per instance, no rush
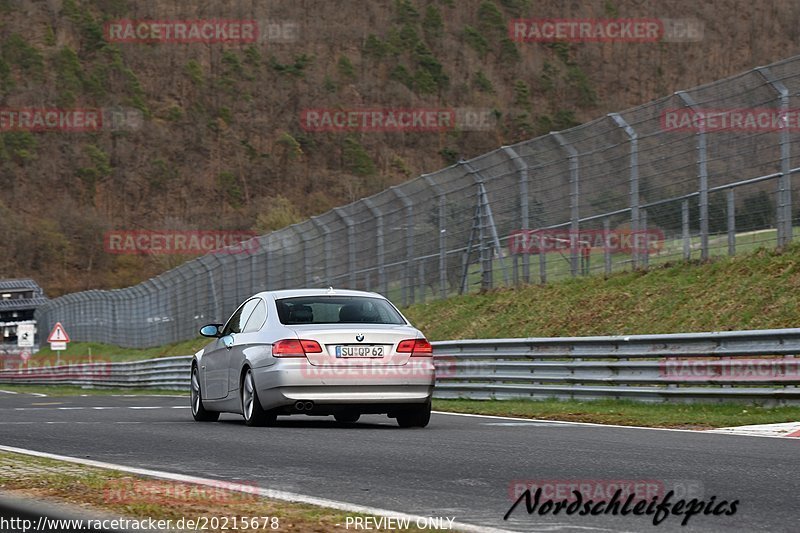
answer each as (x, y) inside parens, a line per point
(628, 413)
(83, 351)
(124, 495)
(64, 390)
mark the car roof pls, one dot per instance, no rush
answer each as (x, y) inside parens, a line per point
(292, 293)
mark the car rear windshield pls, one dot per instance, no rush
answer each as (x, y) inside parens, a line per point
(337, 310)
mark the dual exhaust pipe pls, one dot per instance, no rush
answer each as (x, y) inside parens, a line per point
(303, 406)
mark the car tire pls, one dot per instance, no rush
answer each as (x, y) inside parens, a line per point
(416, 417)
(254, 414)
(347, 417)
(200, 413)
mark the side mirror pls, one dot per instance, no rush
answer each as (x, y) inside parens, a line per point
(210, 330)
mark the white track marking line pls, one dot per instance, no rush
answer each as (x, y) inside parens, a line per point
(592, 424)
(239, 487)
(39, 394)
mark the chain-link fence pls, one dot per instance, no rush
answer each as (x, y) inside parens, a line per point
(700, 173)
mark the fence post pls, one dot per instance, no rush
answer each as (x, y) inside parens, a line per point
(606, 247)
(731, 221)
(702, 167)
(351, 247)
(269, 256)
(379, 242)
(524, 209)
(213, 288)
(442, 199)
(408, 285)
(485, 221)
(574, 198)
(326, 247)
(633, 180)
(304, 238)
(687, 239)
(784, 193)
(645, 254)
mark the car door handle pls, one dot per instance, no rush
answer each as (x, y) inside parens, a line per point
(228, 342)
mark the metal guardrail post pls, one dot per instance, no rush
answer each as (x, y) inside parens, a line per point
(633, 180)
(407, 288)
(784, 207)
(442, 215)
(702, 168)
(326, 246)
(351, 246)
(380, 245)
(574, 198)
(524, 208)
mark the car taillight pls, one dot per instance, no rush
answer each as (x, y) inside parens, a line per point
(416, 347)
(295, 348)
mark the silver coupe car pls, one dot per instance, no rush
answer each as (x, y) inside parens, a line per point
(315, 352)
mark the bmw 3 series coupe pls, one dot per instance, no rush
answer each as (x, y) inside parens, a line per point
(315, 352)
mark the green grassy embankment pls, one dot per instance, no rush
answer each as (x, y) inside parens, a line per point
(758, 290)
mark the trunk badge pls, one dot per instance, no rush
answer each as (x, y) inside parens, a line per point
(359, 337)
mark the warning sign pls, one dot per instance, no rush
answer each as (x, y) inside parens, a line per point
(58, 336)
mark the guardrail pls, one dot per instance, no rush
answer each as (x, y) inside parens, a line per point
(759, 365)
(730, 365)
(166, 373)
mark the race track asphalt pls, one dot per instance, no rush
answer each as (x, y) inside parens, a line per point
(459, 466)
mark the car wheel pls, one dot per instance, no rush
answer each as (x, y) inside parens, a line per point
(416, 417)
(198, 411)
(254, 414)
(347, 417)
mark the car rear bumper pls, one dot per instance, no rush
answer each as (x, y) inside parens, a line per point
(296, 380)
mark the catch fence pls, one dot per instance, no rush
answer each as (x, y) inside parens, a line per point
(703, 172)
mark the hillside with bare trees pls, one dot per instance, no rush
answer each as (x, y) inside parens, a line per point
(209, 135)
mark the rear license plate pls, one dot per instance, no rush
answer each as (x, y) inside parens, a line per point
(359, 351)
